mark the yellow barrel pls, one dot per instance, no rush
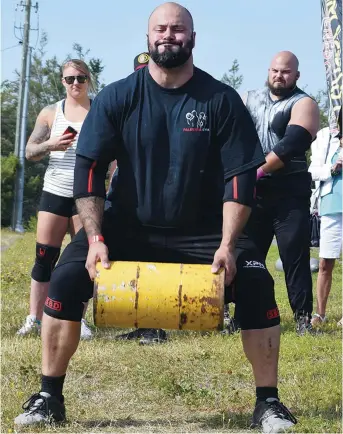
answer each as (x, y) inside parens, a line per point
(158, 295)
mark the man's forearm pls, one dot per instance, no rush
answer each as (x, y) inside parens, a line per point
(235, 217)
(296, 141)
(272, 164)
(90, 211)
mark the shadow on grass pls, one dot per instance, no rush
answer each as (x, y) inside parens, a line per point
(236, 421)
(232, 421)
(239, 422)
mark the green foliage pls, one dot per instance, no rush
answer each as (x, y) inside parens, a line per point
(322, 99)
(31, 224)
(233, 79)
(9, 166)
(45, 88)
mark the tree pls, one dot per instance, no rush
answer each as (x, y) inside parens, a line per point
(322, 99)
(45, 88)
(233, 79)
(8, 169)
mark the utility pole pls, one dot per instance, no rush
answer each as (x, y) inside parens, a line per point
(20, 174)
(21, 125)
(25, 43)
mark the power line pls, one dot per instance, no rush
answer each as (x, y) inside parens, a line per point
(20, 27)
(13, 46)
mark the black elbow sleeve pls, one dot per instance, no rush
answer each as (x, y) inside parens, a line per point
(241, 188)
(296, 141)
(89, 177)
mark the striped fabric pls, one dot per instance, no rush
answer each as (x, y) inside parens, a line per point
(59, 176)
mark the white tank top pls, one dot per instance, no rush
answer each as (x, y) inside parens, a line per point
(59, 176)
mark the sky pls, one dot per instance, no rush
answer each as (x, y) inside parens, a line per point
(251, 31)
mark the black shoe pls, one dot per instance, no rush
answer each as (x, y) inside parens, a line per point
(145, 336)
(153, 336)
(304, 325)
(136, 334)
(272, 416)
(41, 408)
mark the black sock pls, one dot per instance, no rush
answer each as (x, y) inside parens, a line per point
(262, 393)
(53, 385)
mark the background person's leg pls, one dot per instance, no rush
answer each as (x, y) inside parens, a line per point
(324, 282)
(51, 229)
(329, 251)
(69, 287)
(260, 227)
(292, 230)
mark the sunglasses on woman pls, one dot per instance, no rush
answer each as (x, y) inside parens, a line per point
(70, 79)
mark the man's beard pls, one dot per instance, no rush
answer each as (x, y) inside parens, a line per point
(281, 91)
(171, 59)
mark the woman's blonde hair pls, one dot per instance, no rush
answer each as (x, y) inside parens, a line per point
(81, 66)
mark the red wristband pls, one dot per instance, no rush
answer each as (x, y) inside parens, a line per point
(95, 239)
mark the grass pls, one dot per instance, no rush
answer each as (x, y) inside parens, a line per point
(194, 383)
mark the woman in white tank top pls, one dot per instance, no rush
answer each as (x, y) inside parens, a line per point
(57, 212)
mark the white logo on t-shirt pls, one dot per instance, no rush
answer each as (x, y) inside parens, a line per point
(196, 122)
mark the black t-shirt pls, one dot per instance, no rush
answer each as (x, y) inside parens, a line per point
(174, 147)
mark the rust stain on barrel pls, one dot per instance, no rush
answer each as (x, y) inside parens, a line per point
(136, 287)
(183, 318)
(180, 295)
(136, 299)
(209, 300)
(180, 305)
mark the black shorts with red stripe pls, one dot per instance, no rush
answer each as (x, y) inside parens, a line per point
(252, 290)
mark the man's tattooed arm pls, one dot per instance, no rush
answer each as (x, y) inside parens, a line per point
(38, 146)
(90, 211)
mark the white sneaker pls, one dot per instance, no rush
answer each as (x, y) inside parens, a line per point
(32, 326)
(86, 332)
(41, 408)
(272, 416)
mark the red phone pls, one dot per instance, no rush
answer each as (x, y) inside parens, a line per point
(70, 130)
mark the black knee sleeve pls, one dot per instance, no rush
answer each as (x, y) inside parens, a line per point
(69, 288)
(256, 306)
(46, 258)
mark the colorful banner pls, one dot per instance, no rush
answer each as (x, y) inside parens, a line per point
(332, 51)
